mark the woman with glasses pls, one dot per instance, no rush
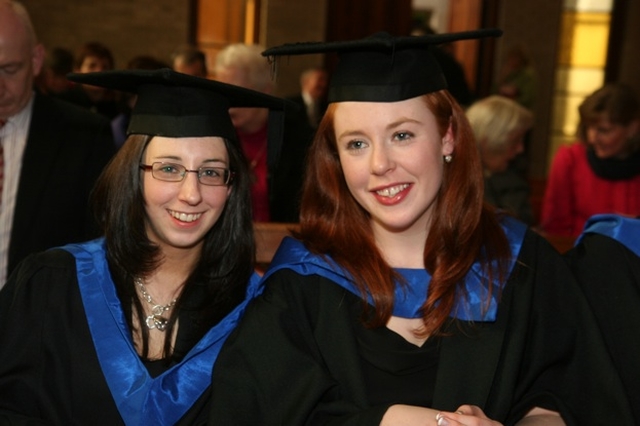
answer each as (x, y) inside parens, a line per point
(125, 329)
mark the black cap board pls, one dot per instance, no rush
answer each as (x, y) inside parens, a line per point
(382, 68)
(178, 105)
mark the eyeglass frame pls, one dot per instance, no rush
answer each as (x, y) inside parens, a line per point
(149, 168)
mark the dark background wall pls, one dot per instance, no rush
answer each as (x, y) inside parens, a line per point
(128, 27)
(535, 25)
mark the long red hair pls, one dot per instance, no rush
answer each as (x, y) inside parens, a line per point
(462, 231)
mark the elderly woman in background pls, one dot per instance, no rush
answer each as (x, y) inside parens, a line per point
(499, 125)
(600, 173)
(276, 168)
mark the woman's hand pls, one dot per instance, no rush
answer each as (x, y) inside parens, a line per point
(471, 415)
(467, 415)
(409, 415)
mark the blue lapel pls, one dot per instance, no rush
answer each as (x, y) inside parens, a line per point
(471, 303)
(143, 400)
(626, 230)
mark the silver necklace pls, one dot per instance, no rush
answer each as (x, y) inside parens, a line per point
(155, 320)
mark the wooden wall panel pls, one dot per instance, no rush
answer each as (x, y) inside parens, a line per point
(466, 15)
(354, 19)
(222, 22)
(219, 22)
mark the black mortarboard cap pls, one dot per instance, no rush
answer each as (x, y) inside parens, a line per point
(382, 68)
(178, 105)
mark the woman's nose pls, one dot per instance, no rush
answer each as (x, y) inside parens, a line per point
(592, 135)
(381, 161)
(190, 189)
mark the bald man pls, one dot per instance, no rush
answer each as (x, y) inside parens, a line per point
(52, 151)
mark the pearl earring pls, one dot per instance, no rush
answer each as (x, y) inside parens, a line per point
(448, 158)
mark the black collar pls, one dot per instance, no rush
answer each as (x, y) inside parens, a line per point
(613, 168)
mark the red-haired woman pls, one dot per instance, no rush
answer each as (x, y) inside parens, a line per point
(404, 298)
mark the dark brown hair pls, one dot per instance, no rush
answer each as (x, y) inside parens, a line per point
(227, 259)
(616, 102)
(95, 49)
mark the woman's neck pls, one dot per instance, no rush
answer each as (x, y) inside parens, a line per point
(166, 282)
(401, 249)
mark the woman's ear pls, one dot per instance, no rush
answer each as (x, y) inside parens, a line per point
(448, 141)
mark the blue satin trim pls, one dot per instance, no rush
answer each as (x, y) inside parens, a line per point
(142, 400)
(626, 230)
(471, 305)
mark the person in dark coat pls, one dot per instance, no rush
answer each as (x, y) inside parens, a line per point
(499, 125)
(606, 262)
(312, 98)
(93, 57)
(404, 298)
(124, 329)
(52, 152)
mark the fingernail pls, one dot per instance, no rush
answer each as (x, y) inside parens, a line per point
(442, 421)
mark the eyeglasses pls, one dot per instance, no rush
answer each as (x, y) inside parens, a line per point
(171, 172)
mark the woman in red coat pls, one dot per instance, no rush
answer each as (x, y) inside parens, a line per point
(601, 173)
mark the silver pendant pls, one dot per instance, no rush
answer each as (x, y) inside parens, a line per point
(157, 321)
(159, 309)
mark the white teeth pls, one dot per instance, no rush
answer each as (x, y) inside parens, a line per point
(393, 191)
(184, 217)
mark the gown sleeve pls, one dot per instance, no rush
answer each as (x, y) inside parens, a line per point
(49, 368)
(271, 370)
(49, 371)
(609, 275)
(552, 353)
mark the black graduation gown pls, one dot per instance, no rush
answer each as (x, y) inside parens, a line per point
(609, 274)
(296, 358)
(49, 369)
